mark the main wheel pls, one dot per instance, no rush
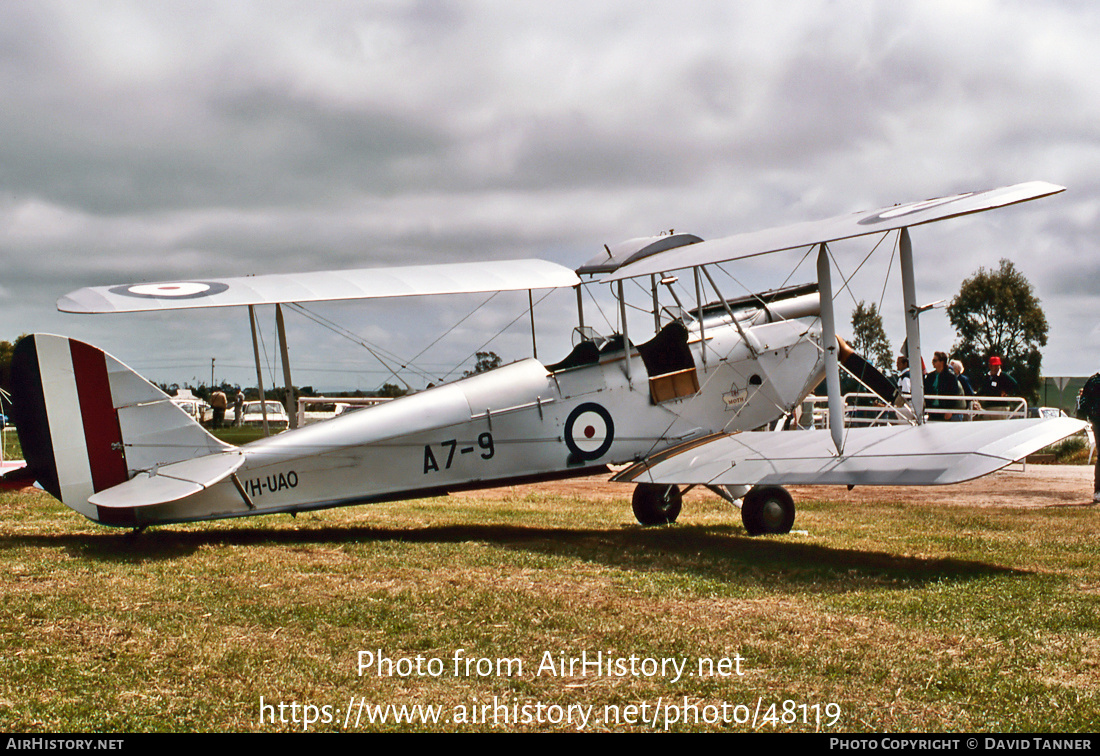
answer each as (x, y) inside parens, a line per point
(655, 504)
(767, 510)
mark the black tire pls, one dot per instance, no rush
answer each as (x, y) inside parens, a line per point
(767, 510)
(656, 504)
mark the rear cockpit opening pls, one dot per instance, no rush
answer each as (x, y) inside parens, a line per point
(669, 363)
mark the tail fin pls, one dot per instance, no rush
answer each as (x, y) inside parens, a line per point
(87, 422)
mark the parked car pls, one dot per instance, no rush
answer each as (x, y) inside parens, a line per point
(1045, 412)
(252, 415)
(196, 408)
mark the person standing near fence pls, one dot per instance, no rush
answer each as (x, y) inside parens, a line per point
(967, 389)
(218, 402)
(998, 383)
(943, 383)
(1088, 409)
(905, 383)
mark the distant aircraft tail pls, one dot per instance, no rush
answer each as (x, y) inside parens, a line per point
(87, 422)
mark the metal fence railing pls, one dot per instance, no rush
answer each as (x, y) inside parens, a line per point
(865, 409)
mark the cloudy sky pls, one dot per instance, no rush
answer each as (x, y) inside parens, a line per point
(148, 141)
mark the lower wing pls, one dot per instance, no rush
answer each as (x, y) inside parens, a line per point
(900, 455)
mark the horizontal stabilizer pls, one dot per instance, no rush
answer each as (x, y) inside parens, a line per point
(832, 229)
(168, 483)
(322, 286)
(898, 455)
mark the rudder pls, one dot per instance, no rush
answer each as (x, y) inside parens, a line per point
(87, 422)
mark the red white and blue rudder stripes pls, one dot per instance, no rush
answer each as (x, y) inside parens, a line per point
(87, 422)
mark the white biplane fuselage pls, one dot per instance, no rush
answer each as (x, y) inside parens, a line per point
(520, 422)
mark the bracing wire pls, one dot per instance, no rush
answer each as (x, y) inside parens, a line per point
(494, 336)
(847, 280)
(267, 359)
(377, 352)
(456, 325)
(756, 295)
(598, 308)
(356, 339)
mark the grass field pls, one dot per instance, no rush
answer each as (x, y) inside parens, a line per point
(10, 442)
(914, 618)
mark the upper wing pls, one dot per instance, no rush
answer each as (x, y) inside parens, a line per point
(366, 283)
(833, 229)
(906, 455)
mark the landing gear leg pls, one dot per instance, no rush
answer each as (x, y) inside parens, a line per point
(767, 510)
(656, 504)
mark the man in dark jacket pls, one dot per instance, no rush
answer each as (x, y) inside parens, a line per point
(998, 383)
(1088, 409)
(942, 382)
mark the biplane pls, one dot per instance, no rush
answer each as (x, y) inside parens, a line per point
(683, 407)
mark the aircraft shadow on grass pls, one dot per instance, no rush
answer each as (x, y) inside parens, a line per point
(722, 553)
